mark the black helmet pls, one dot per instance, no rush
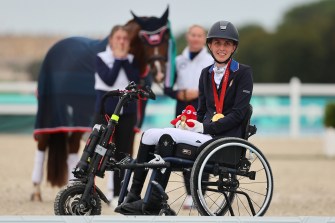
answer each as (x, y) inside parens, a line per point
(223, 29)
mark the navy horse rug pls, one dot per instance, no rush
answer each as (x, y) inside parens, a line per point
(66, 95)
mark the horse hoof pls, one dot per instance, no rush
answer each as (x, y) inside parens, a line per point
(36, 197)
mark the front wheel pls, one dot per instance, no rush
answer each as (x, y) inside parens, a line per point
(68, 199)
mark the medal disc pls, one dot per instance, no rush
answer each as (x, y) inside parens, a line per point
(217, 117)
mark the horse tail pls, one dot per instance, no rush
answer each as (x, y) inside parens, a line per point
(57, 173)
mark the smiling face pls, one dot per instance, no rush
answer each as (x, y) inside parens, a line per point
(222, 49)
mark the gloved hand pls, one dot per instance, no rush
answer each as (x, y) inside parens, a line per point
(180, 125)
(198, 126)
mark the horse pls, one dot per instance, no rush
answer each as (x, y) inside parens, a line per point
(66, 93)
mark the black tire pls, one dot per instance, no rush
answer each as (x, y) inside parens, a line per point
(208, 196)
(67, 200)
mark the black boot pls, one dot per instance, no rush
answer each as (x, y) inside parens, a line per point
(154, 204)
(140, 174)
(138, 207)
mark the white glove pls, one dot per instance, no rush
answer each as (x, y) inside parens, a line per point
(181, 125)
(178, 124)
(198, 126)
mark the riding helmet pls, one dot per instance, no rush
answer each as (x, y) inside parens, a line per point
(223, 29)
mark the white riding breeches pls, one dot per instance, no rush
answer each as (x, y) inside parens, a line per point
(152, 136)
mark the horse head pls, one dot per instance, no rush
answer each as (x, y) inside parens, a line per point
(153, 35)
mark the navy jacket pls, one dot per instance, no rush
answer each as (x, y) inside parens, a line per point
(236, 103)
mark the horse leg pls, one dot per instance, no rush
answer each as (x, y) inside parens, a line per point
(73, 157)
(38, 169)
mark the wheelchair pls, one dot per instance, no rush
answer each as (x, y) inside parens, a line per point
(228, 176)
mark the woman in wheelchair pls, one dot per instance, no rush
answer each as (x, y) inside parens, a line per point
(225, 90)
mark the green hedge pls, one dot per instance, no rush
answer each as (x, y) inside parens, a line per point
(329, 119)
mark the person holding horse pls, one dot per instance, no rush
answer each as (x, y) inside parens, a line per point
(185, 89)
(115, 68)
(225, 90)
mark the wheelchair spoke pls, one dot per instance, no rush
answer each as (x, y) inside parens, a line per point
(254, 202)
(245, 189)
(216, 200)
(182, 202)
(253, 182)
(176, 199)
(245, 208)
(177, 195)
(174, 189)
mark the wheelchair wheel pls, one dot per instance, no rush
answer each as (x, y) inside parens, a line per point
(240, 181)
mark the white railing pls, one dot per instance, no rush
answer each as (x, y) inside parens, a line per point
(28, 87)
(21, 88)
(295, 90)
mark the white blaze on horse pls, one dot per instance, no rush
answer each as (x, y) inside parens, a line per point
(66, 93)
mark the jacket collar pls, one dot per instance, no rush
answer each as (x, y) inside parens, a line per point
(234, 66)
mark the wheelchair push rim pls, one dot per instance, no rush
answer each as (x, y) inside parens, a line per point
(232, 190)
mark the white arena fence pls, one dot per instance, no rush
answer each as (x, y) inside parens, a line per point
(295, 90)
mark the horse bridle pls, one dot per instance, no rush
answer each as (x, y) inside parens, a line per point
(154, 39)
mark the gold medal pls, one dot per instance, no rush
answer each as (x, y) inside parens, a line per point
(217, 117)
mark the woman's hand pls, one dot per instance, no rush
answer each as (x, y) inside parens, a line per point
(187, 94)
(181, 125)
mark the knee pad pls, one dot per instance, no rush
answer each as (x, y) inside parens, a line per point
(166, 146)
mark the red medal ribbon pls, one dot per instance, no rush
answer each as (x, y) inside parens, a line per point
(220, 102)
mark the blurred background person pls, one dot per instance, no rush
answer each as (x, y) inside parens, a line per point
(189, 65)
(115, 68)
